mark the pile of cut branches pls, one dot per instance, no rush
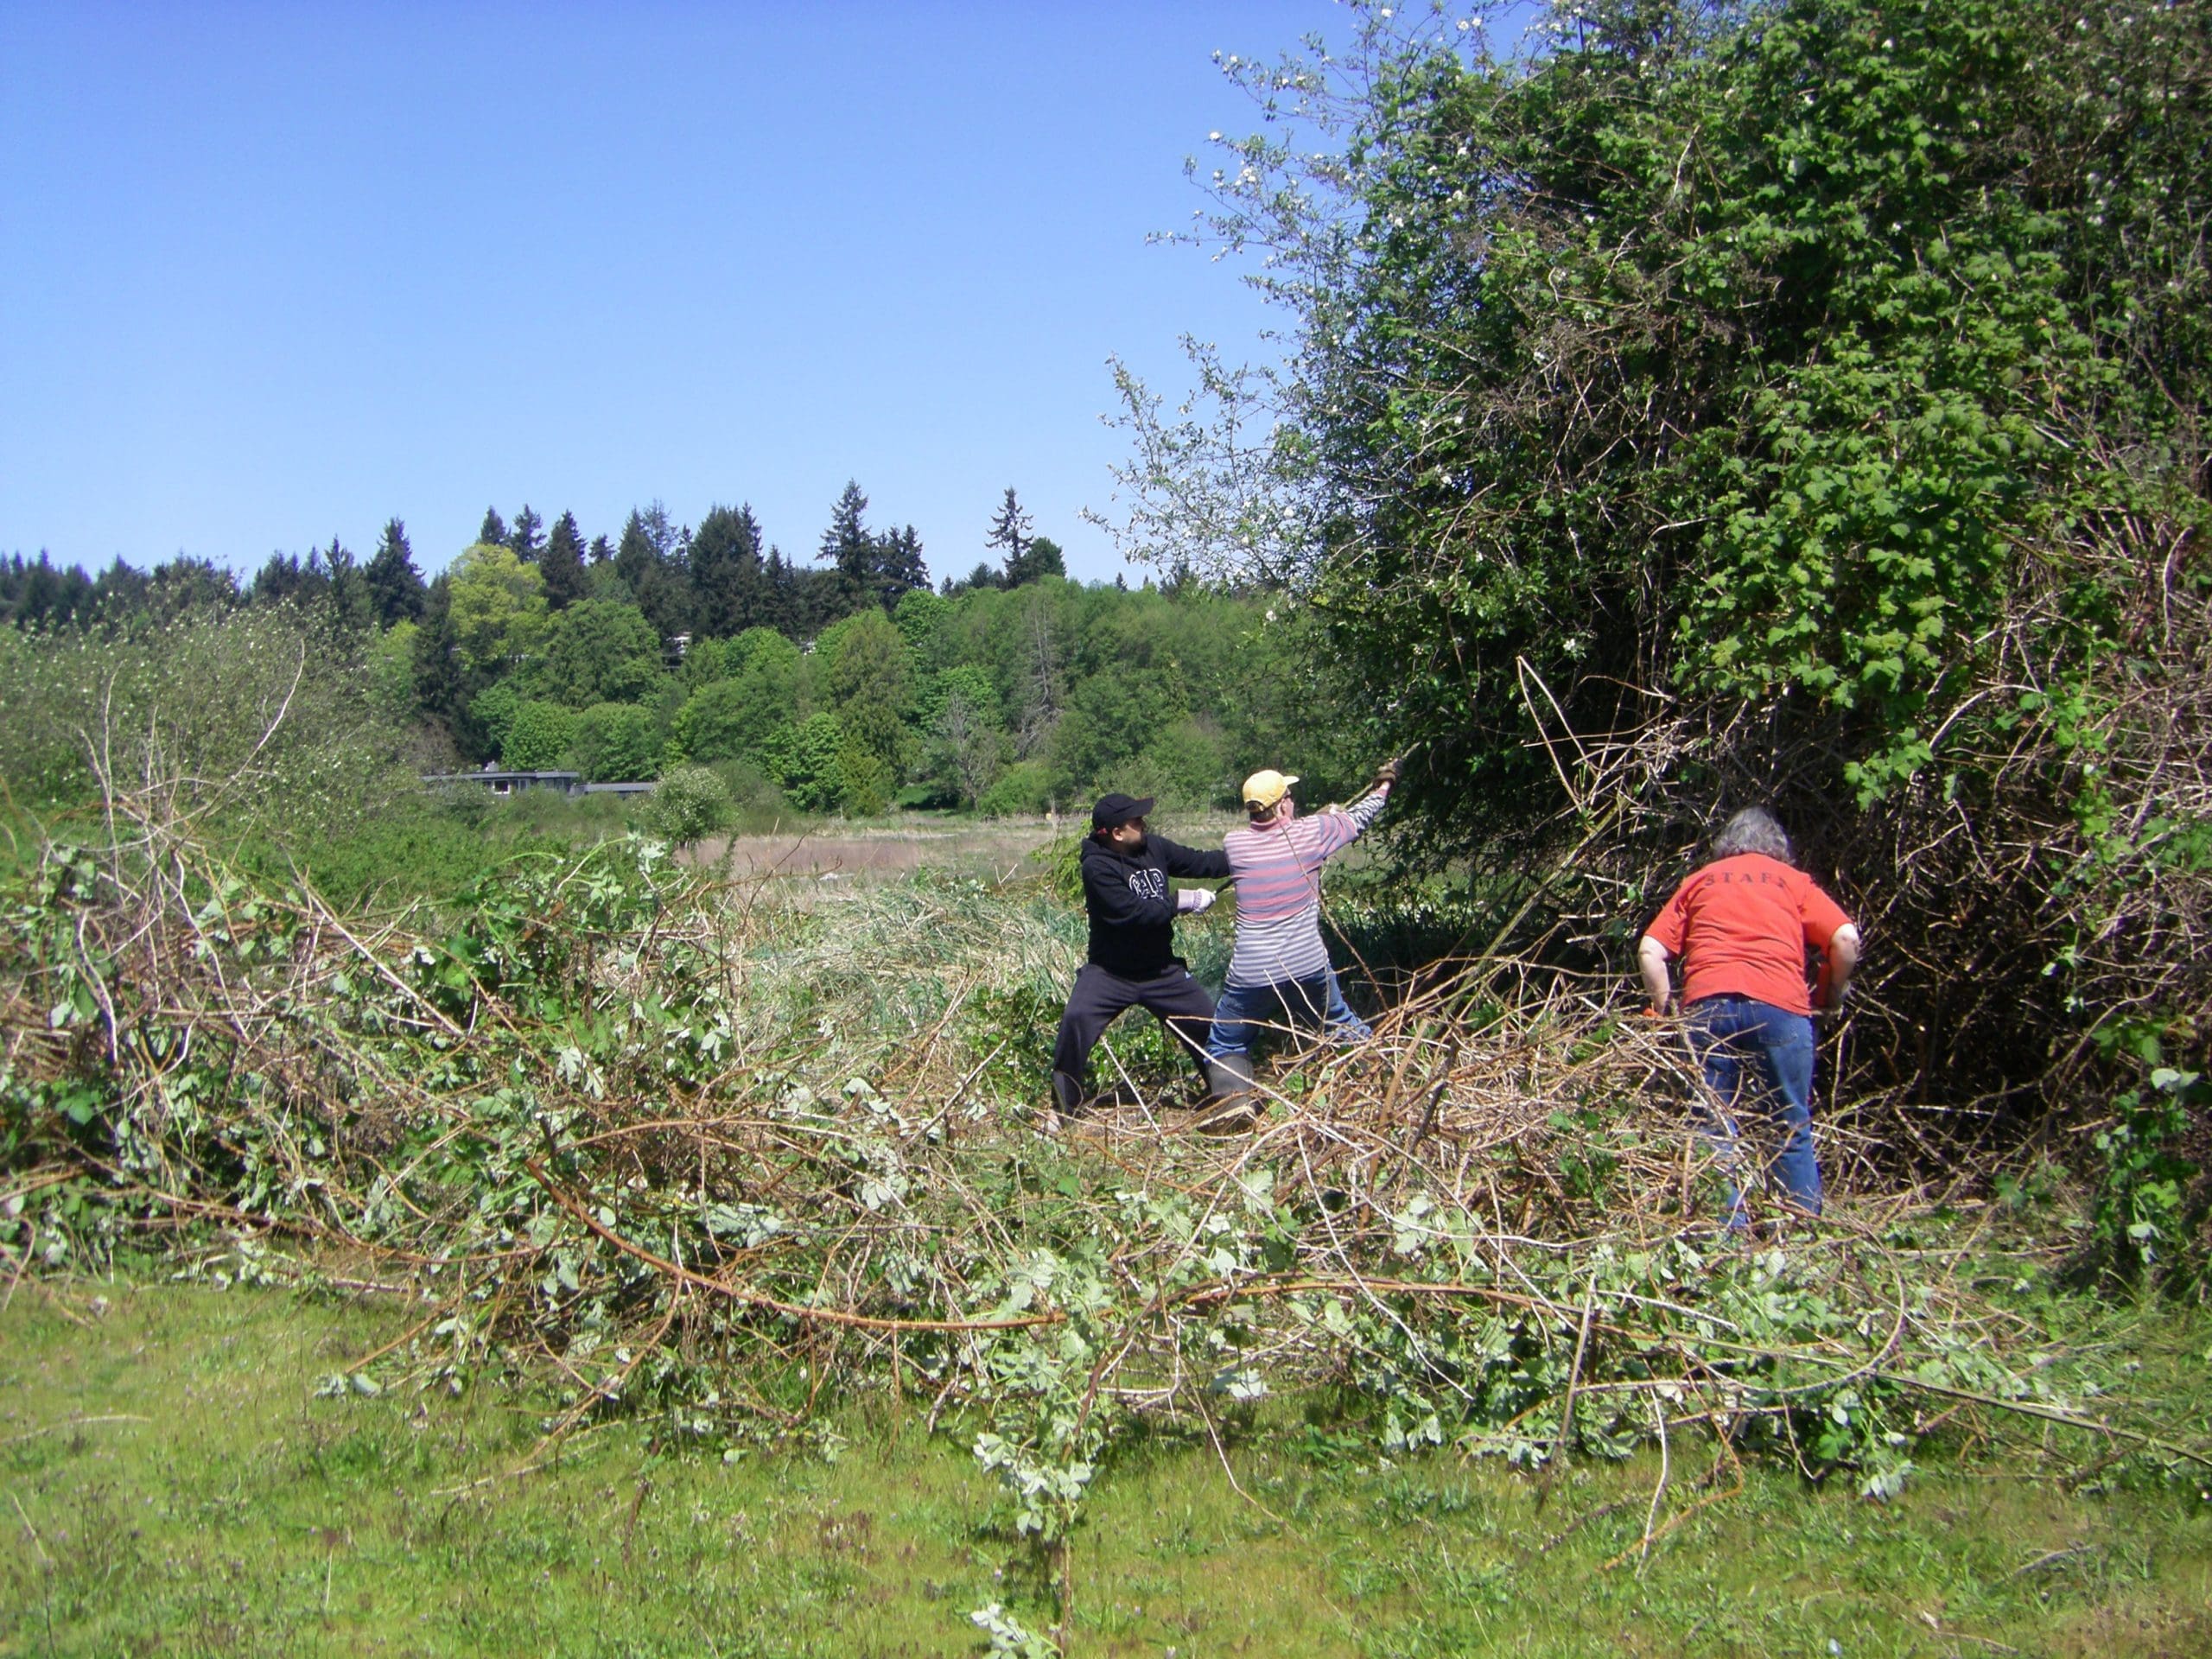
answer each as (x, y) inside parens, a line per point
(668, 1145)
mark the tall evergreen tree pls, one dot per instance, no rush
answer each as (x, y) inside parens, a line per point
(601, 549)
(899, 567)
(1028, 555)
(347, 593)
(286, 576)
(726, 572)
(396, 592)
(493, 532)
(867, 569)
(637, 557)
(778, 609)
(120, 592)
(41, 595)
(562, 564)
(442, 681)
(650, 565)
(1010, 535)
(527, 537)
(848, 549)
(985, 575)
(185, 586)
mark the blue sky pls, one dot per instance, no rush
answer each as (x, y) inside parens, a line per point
(278, 272)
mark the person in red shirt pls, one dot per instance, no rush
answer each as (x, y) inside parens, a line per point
(1740, 927)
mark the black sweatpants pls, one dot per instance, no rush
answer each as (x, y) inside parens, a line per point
(1177, 999)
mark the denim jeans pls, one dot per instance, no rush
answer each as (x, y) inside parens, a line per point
(1245, 1010)
(1756, 1056)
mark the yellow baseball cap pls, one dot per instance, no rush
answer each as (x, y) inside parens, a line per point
(1264, 789)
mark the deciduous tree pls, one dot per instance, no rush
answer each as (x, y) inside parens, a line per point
(537, 737)
(615, 742)
(498, 606)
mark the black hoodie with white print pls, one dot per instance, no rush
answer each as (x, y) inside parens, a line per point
(1132, 912)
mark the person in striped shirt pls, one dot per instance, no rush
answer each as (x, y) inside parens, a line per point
(1279, 967)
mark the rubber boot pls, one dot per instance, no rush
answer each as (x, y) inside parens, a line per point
(1231, 1107)
(1229, 1075)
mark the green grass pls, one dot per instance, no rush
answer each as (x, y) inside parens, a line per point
(172, 1482)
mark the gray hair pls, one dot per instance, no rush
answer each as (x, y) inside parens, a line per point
(1752, 830)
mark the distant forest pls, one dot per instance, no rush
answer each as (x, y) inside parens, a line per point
(714, 581)
(849, 683)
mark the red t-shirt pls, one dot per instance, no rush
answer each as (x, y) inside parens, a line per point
(1741, 925)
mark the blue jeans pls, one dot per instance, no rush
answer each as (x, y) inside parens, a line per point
(1243, 1010)
(1754, 1054)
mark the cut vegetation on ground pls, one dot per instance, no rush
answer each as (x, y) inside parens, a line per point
(657, 1185)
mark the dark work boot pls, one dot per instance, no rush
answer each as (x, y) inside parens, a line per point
(1067, 1097)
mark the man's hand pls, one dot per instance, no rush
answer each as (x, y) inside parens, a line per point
(1385, 774)
(1194, 899)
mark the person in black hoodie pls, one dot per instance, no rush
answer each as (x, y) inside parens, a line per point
(1132, 956)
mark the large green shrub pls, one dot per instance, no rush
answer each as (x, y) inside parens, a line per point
(1801, 401)
(538, 738)
(804, 762)
(493, 713)
(1723, 349)
(1186, 766)
(615, 742)
(721, 721)
(867, 781)
(265, 720)
(690, 803)
(746, 692)
(869, 681)
(1022, 789)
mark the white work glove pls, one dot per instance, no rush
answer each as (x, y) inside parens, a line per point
(1194, 899)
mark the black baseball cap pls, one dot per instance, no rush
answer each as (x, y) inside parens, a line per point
(1118, 808)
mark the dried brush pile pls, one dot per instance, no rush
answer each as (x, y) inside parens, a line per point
(670, 1146)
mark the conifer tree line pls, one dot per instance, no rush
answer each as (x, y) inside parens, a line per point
(845, 681)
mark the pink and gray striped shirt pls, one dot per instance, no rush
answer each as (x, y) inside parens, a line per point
(1277, 870)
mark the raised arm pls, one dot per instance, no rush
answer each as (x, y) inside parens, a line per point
(1368, 807)
(1343, 825)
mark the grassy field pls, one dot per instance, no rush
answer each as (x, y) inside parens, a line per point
(178, 1479)
(869, 851)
